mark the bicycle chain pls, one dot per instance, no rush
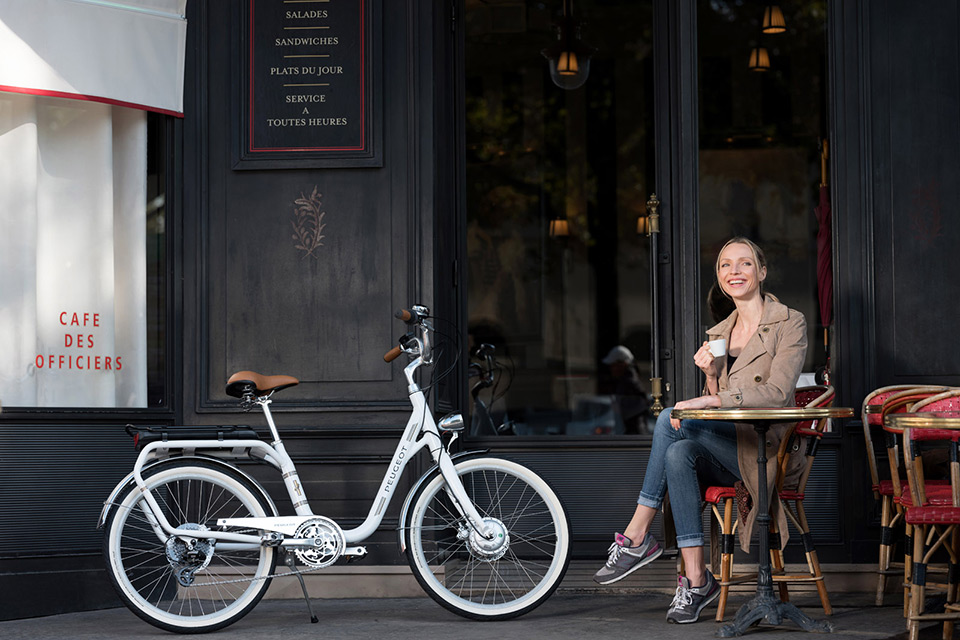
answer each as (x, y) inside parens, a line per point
(256, 578)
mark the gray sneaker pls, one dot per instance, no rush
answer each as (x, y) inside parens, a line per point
(624, 558)
(690, 601)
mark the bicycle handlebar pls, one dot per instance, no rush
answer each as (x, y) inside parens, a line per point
(408, 316)
(417, 339)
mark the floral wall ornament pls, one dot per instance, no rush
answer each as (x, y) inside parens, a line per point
(308, 223)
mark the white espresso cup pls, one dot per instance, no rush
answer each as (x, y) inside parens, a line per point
(717, 347)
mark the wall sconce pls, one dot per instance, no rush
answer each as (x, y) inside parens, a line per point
(559, 228)
(643, 226)
(773, 21)
(759, 59)
(569, 57)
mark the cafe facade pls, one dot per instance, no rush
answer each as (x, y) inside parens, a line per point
(551, 177)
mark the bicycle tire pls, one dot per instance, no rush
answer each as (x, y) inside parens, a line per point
(489, 580)
(143, 567)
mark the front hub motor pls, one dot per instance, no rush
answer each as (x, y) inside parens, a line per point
(492, 544)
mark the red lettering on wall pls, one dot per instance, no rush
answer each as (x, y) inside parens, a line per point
(69, 361)
(78, 319)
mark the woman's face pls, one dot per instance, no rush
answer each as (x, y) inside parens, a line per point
(738, 273)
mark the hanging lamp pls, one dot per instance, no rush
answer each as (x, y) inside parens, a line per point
(569, 57)
(773, 21)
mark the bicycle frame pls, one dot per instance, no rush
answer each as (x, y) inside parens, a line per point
(421, 432)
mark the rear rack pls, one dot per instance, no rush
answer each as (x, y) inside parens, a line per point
(142, 436)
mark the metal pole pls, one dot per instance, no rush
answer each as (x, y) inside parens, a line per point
(653, 232)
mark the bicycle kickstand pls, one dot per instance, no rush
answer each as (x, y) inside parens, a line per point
(291, 563)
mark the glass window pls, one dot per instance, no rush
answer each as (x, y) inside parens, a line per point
(762, 110)
(82, 208)
(559, 165)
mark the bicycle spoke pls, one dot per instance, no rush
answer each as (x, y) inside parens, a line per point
(480, 579)
(180, 587)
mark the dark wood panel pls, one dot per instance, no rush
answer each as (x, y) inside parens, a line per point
(326, 317)
(263, 290)
(916, 157)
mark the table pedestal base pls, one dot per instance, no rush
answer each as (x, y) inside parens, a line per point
(770, 608)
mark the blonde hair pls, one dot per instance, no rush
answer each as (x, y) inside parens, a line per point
(759, 257)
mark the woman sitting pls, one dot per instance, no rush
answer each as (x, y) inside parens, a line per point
(766, 345)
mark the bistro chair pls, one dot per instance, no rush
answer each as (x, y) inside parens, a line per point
(882, 483)
(723, 525)
(936, 525)
(901, 402)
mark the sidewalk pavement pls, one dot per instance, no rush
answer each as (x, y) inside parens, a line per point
(565, 615)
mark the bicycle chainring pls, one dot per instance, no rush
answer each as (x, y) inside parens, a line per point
(329, 542)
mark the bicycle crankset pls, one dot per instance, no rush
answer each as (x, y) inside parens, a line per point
(328, 542)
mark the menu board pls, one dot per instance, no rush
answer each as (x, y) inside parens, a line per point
(309, 82)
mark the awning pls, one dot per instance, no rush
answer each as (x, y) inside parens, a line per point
(128, 53)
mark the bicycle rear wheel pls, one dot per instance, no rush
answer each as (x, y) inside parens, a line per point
(504, 576)
(163, 580)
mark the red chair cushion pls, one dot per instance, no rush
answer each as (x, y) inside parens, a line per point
(934, 434)
(716, 495)
(933, 515)
(937, 495)
(886, 486)
(791, 495)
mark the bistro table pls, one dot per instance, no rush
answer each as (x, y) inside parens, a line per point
(925, 420)
(765, 605)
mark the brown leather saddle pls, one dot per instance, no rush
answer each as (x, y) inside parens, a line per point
(243, 382)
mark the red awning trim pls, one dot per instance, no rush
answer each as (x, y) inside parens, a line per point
(130, 52)
(76, 96)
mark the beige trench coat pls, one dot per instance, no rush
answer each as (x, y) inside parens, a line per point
(764, 375)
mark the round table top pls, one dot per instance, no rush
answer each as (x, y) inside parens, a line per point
(780, 414)
(924, 420)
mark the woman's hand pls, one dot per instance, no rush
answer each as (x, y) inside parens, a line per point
(705, 360)
(703, 402)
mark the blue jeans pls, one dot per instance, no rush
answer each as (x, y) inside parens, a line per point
(701, 451)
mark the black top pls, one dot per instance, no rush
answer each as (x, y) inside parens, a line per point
(730, 360)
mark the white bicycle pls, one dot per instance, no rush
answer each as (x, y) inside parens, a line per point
(192, 541)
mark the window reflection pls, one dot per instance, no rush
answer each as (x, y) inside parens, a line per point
(554, 305)
(760, 139)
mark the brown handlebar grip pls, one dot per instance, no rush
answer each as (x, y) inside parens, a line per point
(392, 355)
(404, 314)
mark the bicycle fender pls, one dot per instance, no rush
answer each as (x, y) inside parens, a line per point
(129, 481)
(413, 491)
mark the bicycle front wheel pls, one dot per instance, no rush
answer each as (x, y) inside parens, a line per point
(170, 583)
(509, 569)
